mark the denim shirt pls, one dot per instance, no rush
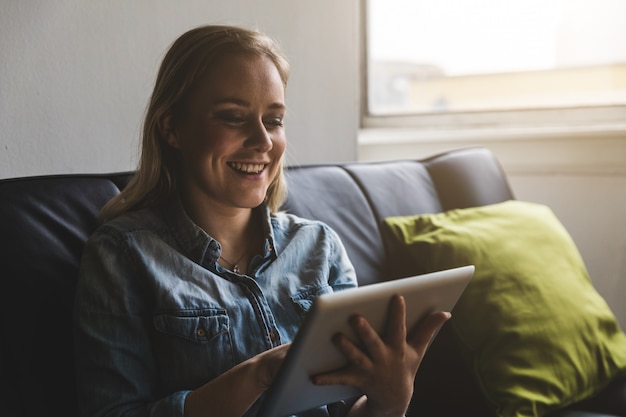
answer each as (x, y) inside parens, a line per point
(156, 316)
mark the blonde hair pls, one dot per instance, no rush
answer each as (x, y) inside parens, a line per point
(185, 64)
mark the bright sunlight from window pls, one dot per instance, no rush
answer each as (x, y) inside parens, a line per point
(433, 56)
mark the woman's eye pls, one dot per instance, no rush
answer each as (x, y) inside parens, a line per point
(231, 118)
(274, 122)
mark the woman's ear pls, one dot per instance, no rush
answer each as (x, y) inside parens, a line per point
(167, 130)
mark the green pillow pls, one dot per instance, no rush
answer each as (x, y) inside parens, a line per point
(530, 326)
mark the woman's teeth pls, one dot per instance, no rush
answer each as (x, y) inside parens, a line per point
(247, 168)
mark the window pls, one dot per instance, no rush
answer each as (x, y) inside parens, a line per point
(494, 62)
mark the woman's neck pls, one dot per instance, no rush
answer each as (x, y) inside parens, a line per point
(238, 230)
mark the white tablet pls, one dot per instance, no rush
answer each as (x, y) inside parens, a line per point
(312, 351)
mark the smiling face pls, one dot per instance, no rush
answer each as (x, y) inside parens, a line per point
(231, 137)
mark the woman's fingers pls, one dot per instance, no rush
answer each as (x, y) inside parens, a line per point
(355, 356)
(395, 328)
(350, 374)
(425, 330)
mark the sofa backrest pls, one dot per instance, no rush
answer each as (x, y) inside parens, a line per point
(44, 222)
(355, 198)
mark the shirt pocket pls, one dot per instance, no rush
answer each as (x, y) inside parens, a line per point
(303, 300)
(192, 346)
(198, 326)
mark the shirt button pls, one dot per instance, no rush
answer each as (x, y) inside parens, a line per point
(270, 248)
(200, 333)
(272, 336)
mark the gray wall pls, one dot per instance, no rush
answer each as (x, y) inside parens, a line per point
(75, 76)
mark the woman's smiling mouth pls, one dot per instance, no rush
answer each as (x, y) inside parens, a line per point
(247, 168)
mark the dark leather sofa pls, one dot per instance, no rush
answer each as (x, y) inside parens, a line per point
(45, 221)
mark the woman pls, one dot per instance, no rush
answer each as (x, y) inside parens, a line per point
(190, 292)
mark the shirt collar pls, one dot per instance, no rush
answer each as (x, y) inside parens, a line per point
(198, 245)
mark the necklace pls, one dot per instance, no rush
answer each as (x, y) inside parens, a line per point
(233, 265)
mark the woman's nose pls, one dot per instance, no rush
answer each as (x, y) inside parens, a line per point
(259, 137)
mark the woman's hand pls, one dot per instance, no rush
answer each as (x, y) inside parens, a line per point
(384, 369)
(268, 364)
(233, 392)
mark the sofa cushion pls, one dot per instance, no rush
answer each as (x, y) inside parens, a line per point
(530, 326)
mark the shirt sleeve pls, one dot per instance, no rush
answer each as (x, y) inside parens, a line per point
(341, 272)
(115, 369)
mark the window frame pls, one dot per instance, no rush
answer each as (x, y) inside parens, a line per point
(603, 120)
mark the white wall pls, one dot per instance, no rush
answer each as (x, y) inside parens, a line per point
(75, 76)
